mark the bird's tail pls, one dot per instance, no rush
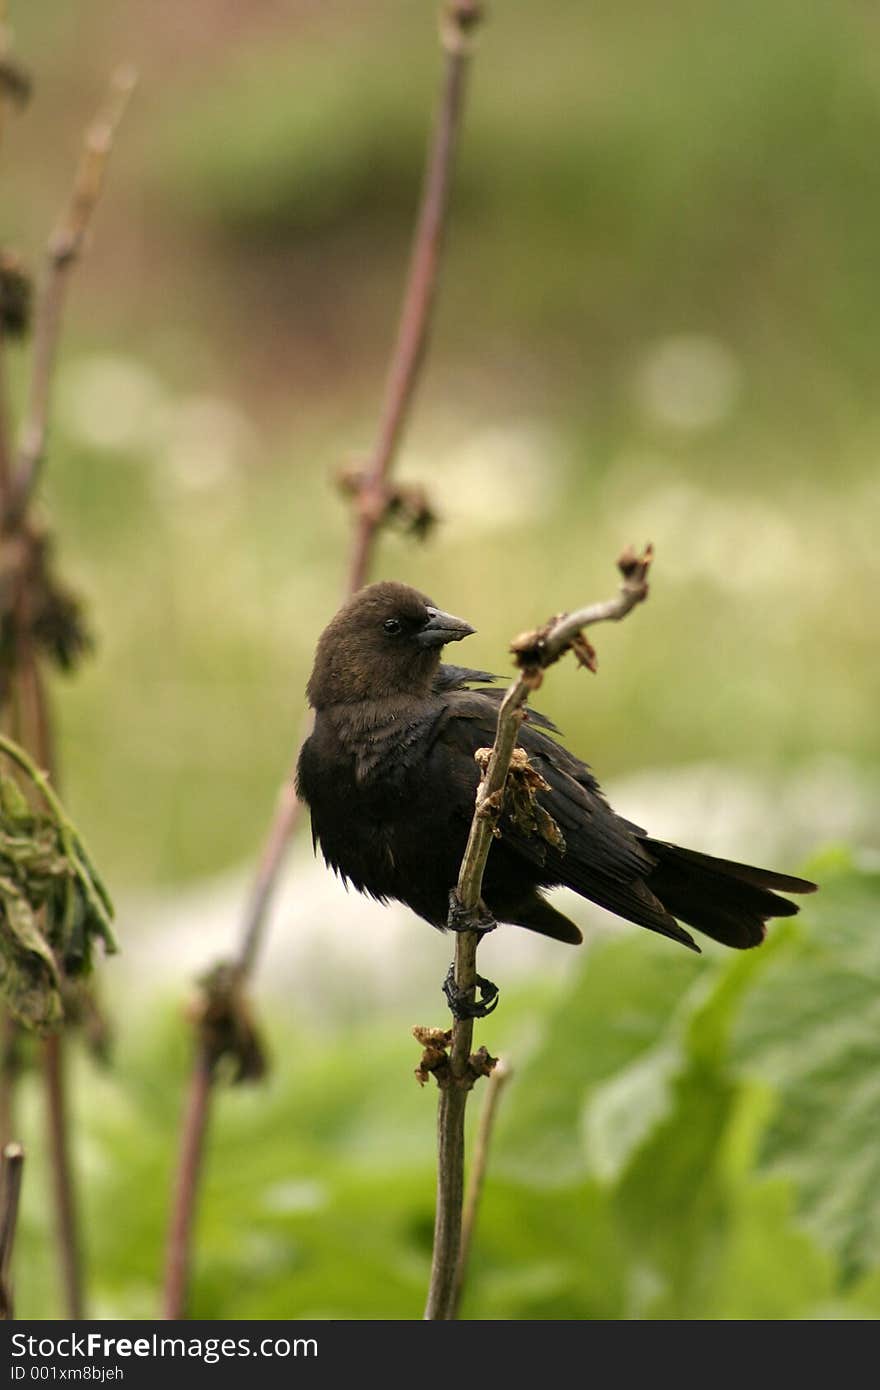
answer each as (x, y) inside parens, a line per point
(729, 902)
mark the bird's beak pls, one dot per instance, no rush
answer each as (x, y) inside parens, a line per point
(442, 628)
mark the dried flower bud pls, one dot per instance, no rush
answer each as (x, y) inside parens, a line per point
(15, 296)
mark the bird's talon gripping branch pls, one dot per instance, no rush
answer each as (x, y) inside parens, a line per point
(460, 1006)
(462, 919)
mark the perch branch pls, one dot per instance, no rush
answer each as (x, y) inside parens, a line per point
(374, 499)
(64, 249)
(10, 1191)
(533, 652)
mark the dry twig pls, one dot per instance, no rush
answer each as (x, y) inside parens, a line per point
(376, 503)
(533, 652)
(65, 246)
(26, 711)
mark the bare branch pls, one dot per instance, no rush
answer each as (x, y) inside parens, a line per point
(458, 19)
(26, 709)
(374, 496)
(10, 1192)
(65, 247)
(62, 1174)
(287, 814)
(533, 652)
(5, 429)
(376, 502)
(194, 1132)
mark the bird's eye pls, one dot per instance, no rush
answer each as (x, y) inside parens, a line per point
(392, 626)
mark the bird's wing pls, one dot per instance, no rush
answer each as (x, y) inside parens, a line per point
(603, 858)
(450, 677)
(460, 677)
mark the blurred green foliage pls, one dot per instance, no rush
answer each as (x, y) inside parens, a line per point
(681, 1139)
(659, 316)
(653, 211)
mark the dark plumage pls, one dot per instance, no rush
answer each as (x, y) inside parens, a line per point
(390, 777)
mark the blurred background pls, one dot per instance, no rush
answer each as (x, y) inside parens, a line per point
(658, 320)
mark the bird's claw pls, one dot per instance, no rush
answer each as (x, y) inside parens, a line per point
(463, 1008)
(462, 919)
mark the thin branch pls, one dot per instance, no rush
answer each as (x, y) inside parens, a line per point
(192, 1146)
(10, 1066)
(64, 249)
(10, 1192)
(5, 427)
(501, 1074)
(373, 501)
(408, 357)
(534, 651)
(27, 711)
(34, 730)
(287, 814)
(459, 18)
(58, 1125)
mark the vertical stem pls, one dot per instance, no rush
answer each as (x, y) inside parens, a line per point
(543, 646)
(450, 1192)
(65, 247)
(25, 705)
(35, 735)
(451, 1110)
(287, 814)
(9, 1070)
(415, 316)
(403, 375)
(54, 1072)
(195, 1126)
(5, 429)
(10, 1191)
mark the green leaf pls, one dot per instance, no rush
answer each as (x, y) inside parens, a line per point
(13, 804)
(30, 977)
(610, 1020)
(811, 1029)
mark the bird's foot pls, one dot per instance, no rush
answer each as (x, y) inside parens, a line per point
(460, 1006)
(462, 919)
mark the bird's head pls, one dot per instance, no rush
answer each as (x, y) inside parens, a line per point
(385, 641)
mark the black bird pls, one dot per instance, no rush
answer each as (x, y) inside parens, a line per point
(390, 777)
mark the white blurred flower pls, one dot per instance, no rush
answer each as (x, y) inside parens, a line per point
(296, 1195)
(740, 542)
(111, 402)
(496, 477)
(206, 441)
(687, 382)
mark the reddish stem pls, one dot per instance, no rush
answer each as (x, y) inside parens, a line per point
(62, 1174)
(407, 359)
(192, 1146)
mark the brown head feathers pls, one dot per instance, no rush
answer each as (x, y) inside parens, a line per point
(385, 641)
